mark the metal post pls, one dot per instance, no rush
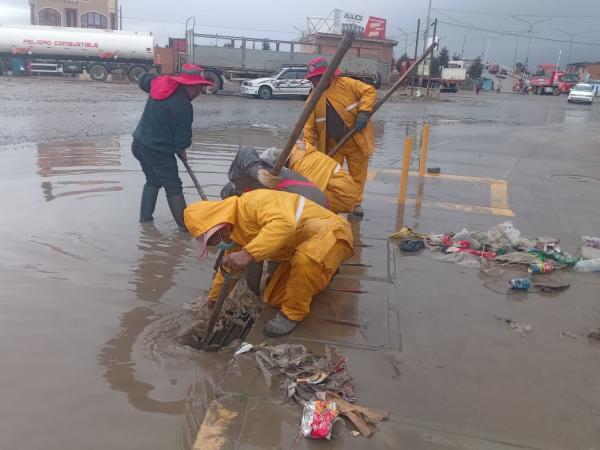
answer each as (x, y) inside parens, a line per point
(408, 142)
(417, 41)
(424, 146)
(120, 17)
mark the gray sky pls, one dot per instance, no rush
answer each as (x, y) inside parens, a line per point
(266, 18)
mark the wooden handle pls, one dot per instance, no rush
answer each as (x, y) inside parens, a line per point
(385, 98)
(312, 101)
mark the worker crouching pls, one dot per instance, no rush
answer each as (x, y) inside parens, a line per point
(337, 184)
(308, 241)
(345, 103)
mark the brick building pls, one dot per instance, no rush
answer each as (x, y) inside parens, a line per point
(327, 43)
(586, 71)
(100, 14)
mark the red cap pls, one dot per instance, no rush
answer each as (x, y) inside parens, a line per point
(317, 67)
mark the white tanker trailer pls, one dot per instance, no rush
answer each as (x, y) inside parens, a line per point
(78, 50)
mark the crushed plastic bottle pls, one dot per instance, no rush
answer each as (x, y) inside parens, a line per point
(590, 241)
(588, 265)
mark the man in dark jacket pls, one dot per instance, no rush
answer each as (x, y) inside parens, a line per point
(164, 130)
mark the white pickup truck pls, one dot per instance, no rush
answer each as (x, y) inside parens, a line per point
(288, 81)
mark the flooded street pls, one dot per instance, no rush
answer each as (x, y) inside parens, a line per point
(92, 300)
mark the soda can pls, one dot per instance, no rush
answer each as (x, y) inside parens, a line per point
(545, 267)
(519, 284)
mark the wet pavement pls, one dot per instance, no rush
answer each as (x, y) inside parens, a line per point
(92, 300)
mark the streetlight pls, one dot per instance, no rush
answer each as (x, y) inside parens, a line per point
(406, 40)
(572, 36)
(531, 24)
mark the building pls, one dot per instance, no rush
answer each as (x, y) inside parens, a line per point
(379, 49)
(586, 71)
(100, 14)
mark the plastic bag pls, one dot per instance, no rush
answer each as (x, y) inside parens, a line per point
(465, 235)
(317, 419)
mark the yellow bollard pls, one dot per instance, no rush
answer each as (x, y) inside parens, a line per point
(405, 170)
(424, 145)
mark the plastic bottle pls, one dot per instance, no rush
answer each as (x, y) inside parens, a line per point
(588, 265)
(590, 241)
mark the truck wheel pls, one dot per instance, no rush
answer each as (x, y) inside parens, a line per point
(216, 80)
(265, 93)
(98, 72)
(136, 73)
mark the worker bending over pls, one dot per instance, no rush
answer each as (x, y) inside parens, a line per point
(308, 241)
(248, 172)
(345, 103)
(337, 184)
(165, 129)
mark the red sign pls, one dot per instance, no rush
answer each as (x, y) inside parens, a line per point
(375, 28)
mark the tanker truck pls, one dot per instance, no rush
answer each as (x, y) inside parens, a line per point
(59, 50)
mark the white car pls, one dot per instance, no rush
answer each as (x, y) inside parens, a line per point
(288, 81)
(581, 92)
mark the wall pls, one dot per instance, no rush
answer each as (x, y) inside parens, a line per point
(104, 7)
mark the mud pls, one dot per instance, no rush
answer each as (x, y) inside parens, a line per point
(92, 301)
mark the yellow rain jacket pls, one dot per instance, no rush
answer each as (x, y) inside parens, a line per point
(348, 97)
(308, 240)
(327, 175)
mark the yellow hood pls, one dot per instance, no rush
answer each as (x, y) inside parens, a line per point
(202, 216)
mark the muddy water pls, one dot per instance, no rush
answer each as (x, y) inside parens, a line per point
(91, 300)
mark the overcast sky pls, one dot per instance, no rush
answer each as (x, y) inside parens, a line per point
(458, 18)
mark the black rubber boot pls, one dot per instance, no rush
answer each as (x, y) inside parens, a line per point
(148, 203)
(177, 205)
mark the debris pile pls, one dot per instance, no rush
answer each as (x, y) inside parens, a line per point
(323, 386)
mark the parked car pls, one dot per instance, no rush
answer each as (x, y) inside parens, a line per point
(288, 81)
(581, 93)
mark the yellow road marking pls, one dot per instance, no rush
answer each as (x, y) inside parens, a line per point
(498, 194)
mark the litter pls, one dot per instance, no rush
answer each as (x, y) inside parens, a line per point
(546, 267)
(407, 233)
(244, 348)
(291, 363)
(434, 170)
(590, 241)
(364, 419)
(595, 335)
(522, 329)
(355, 433)
(567, 334)
(588, 265)
(317, 419)
(589, 252)
(411, 245)
(519, 284)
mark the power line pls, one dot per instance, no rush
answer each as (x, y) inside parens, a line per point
(487, 13)
(209, 26)
(512, 33)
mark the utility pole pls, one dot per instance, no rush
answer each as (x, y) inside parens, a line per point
(426, 32)
(406, 40)
(530, 31)
(417, 41)
(120, 17)
(572, 37)
(515, 58)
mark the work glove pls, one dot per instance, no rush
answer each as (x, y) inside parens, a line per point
(271, 155)
(361, 120)
(267, 180)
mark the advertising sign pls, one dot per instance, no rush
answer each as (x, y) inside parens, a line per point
(369, 27)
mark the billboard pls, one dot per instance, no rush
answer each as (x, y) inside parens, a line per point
(367, 26)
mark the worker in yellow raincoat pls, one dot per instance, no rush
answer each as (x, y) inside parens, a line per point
(337, 184)
(308, 241)
(345, 103)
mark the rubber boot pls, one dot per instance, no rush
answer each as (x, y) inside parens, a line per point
(177, 205)
(148, 203)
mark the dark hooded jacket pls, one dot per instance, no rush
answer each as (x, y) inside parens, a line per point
(166, 124)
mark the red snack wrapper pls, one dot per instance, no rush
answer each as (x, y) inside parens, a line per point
(318, 418)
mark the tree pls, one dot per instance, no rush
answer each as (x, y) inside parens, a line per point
(444, 57)
(476, 69)
(456, 57)
(519, 67)
(266, 45)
